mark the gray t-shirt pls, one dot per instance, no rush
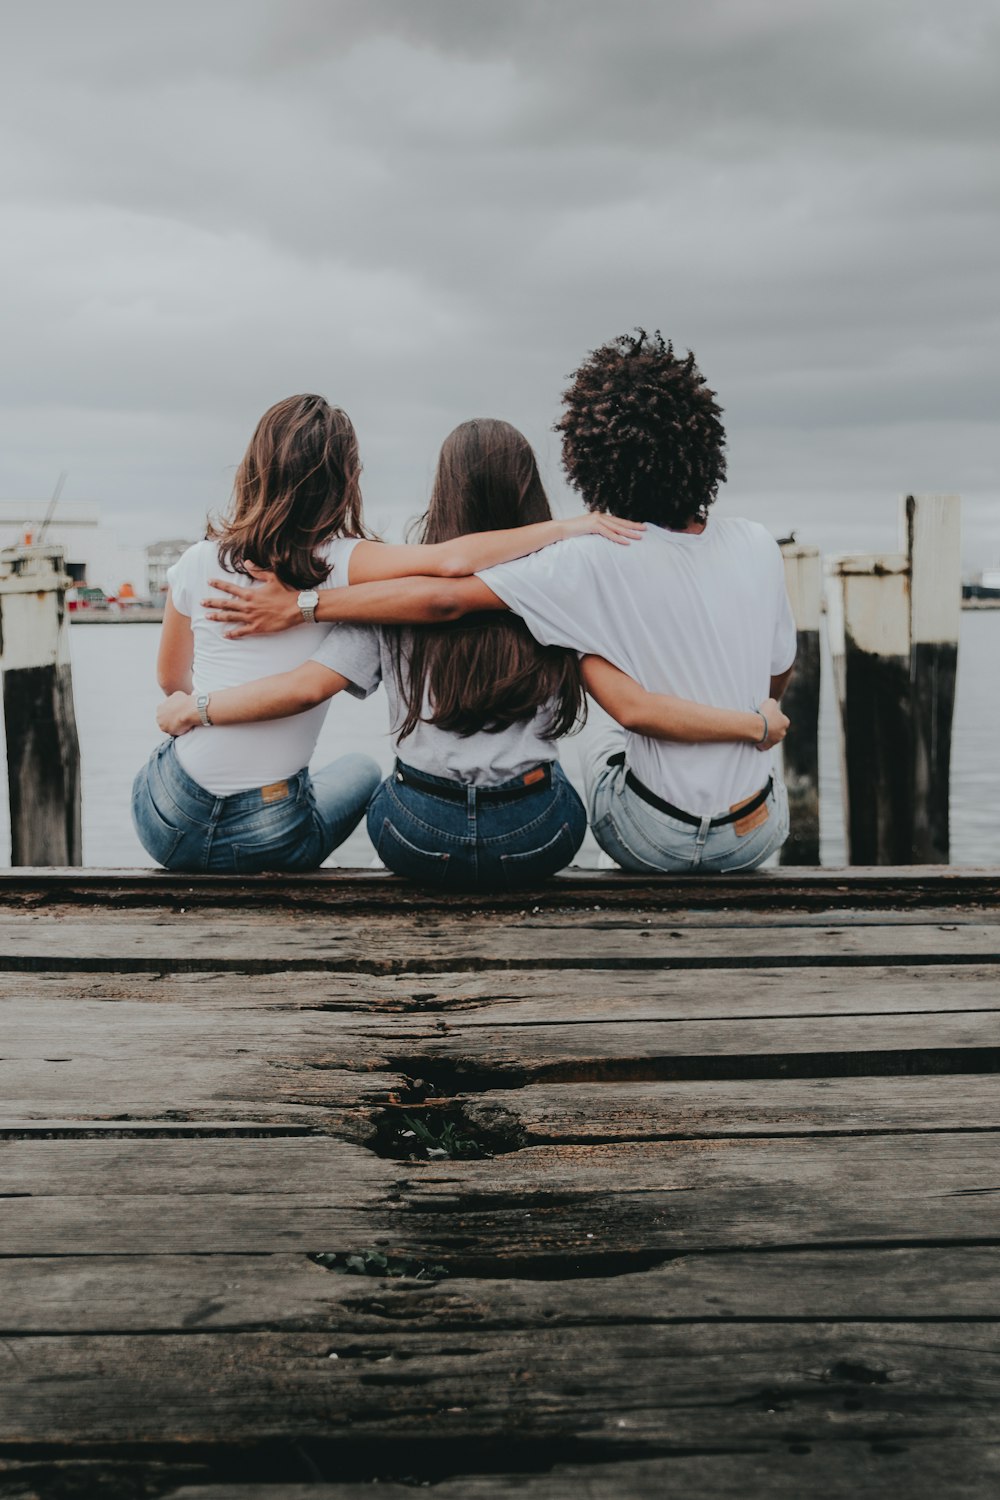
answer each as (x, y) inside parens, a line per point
(701, 615)
(364, 654)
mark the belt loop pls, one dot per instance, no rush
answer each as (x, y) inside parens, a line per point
(700, 837)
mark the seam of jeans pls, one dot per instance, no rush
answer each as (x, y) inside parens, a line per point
(439, 857)
(405, 813)
(563, 832)
(640, 859)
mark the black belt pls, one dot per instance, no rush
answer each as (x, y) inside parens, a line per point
(538, 779)
(641, 790)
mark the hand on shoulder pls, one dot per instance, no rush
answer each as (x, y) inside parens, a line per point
(267, 607)
(600, 523)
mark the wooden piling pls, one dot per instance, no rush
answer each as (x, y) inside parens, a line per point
(800, 751)
(931, 526)
(43, 751)
(893, 622)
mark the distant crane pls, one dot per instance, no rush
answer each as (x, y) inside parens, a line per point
(60, 482)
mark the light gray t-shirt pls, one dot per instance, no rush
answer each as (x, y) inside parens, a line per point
(364, 654)
(702, 615)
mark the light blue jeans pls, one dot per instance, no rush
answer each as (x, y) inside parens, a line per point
(641, 838)
(292, 825)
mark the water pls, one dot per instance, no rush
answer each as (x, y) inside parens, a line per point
(116, 698)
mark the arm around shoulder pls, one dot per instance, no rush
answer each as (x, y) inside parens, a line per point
(408, 601)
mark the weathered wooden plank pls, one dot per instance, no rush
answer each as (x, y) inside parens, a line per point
(287, 1292)
(568, 1206)
(130, 1168)
(580, 1113)
(597, 1113)
(926, 1469)
(585, 994)
(720, 1384)
(423, 945)
(127, 1063)
(481, 1055)
(365, 890)
(175, 1061)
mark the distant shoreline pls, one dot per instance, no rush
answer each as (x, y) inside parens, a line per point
(152, 616)
(137, 616)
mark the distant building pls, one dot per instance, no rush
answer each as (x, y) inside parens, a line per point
(159, 557)
(94, 555)
(987, 586)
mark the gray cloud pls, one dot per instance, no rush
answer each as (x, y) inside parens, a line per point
(428, 210)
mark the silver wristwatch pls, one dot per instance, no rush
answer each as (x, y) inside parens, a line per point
(201, 704)
(308, 600)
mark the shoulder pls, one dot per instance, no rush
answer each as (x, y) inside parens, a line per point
(203, 554)
(338, 557)
(191, 571)
(572, 555)
(752, 536)
(741, 526)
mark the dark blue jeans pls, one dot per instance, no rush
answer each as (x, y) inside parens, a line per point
(479, 843)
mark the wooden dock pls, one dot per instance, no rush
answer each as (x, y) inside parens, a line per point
(615, 1190)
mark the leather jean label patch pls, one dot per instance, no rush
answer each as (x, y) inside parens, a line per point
(276, 792)
(530, 777)
(752, 820)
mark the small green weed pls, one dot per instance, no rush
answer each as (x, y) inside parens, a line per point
(447, 1141)
(375, 1263)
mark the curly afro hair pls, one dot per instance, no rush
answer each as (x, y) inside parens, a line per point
(641, 433)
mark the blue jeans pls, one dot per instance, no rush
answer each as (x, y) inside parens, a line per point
(479, 843)
(292, 825)
(641, 838)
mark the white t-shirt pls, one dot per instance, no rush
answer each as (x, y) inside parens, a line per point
(701, 615)
(364, 655)
(235, 757)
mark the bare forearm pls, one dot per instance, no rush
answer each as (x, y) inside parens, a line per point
(464, 555)
(172, 680)
(277, 697)
(663, 717)
(461, 556)
(406, 601)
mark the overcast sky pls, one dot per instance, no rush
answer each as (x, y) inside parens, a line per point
(431, 209)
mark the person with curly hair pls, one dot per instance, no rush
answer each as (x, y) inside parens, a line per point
(698, 610)
(692, 612)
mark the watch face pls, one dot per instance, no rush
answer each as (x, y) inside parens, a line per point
(308, 599)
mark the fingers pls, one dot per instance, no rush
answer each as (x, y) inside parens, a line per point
(226, 613)
(224, 587)
(617, 530)
(238, 633)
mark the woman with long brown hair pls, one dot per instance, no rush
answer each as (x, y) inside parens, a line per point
(241, 797)
(477, 799)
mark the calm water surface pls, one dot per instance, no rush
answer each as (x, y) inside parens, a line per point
(116, 698)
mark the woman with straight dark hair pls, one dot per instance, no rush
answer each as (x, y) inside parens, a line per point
(477, 799)
(241, 797)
